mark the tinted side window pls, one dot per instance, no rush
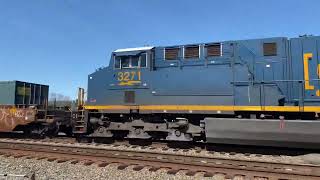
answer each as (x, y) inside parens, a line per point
(134, 61)
(143, 60)
(125, 62)
(117, 62)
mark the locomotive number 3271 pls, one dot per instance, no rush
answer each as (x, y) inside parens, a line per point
(131, 77)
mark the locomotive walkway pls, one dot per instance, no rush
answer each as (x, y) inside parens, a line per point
(80, 153)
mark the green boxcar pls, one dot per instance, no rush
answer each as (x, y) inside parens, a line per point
(20, 93)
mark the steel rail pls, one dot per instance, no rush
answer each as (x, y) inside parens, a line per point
(230, 167)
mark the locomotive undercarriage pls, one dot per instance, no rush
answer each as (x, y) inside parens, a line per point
(171, 128)
(249, 128)
(40, 129)
(45, 128)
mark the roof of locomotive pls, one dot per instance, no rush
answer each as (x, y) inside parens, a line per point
(189, 44)
(139, 49)
(134, 49)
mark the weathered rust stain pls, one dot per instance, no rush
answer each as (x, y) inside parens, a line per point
(11, 117)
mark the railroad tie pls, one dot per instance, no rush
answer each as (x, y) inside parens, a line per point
(103, 164)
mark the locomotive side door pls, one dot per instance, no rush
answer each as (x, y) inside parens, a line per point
(310, 68)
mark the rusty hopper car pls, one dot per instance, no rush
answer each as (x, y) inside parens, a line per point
(23, 107)
(258, 91)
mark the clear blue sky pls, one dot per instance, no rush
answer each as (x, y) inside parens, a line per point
(59, 42)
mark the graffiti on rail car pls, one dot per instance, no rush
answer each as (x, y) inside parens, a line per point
(11, 117)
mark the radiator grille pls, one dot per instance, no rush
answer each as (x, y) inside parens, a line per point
(213, 50)
(269, 49)
(191, 52)
(171, 53)
(129, 97)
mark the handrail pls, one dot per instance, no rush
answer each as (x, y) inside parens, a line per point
(265, 82)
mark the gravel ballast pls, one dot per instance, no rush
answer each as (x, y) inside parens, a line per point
(46, 170)
(191, 152)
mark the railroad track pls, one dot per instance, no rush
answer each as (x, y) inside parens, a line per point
(94, 154)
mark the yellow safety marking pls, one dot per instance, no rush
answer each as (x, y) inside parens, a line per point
(111, 107)
(128, 83)
(205, 108)
(306, 57)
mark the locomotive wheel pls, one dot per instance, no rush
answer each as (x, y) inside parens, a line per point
(177, 133)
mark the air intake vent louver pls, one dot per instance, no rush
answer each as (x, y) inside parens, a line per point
(171, 53)
(269, 49)
(191, 52)
(213, 50)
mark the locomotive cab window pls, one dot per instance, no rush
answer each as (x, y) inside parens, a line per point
(143, 60)
(171, 53)
(214, 50)
(117, 62)
(270, 49)
(191, 52)
(125, 62)
(137, 61)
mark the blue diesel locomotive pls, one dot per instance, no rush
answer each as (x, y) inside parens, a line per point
(257, 91)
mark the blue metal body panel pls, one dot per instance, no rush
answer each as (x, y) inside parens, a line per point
(241, 76)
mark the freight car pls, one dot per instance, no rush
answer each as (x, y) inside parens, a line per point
(257, 91)
(23, 108)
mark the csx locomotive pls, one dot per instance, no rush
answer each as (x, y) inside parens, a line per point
(258, 91)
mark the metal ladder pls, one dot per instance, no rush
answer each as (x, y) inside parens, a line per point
(79, 116)
(79, 121)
